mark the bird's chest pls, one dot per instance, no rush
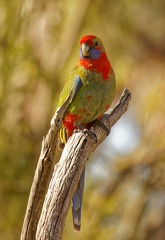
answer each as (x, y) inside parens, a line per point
(90, 101)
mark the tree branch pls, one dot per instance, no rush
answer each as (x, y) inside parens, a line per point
(43, 174)
(68, 170)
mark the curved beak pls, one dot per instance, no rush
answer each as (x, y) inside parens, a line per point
(85, 50)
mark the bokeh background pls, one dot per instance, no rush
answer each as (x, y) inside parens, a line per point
(124, 195)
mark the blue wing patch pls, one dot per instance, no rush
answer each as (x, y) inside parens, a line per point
(76, 87)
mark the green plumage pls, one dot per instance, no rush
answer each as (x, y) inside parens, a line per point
(94, 96)
(92, 84)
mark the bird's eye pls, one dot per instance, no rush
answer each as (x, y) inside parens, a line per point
(96, 43)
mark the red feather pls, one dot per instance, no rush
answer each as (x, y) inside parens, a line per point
(101, 65)
(87, 39)
(69, 121)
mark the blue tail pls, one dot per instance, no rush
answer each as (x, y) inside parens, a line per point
(77, 203)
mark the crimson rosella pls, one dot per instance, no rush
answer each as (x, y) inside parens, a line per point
(93, 81)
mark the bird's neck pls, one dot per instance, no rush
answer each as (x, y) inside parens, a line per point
(101, 65)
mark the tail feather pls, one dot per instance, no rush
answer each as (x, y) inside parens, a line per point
(77, 203)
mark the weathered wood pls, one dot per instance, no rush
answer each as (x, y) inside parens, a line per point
(68, 170)
(43, 174)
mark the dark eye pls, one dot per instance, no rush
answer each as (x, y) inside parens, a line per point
(96, 43)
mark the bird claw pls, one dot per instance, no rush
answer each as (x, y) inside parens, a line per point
(87, 131)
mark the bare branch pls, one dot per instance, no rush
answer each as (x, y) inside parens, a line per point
(43, 174)
(68, 170)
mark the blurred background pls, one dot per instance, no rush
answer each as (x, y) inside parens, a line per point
(124, 195)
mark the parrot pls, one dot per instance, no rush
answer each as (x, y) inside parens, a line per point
(93, 84)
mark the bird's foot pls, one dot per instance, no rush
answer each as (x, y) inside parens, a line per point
(87, 131)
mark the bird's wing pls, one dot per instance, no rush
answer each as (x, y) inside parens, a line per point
(76, 87)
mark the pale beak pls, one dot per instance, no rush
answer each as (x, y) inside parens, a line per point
(85, 50)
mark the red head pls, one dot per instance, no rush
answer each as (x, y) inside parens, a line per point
(89, 43)
(93, 56)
